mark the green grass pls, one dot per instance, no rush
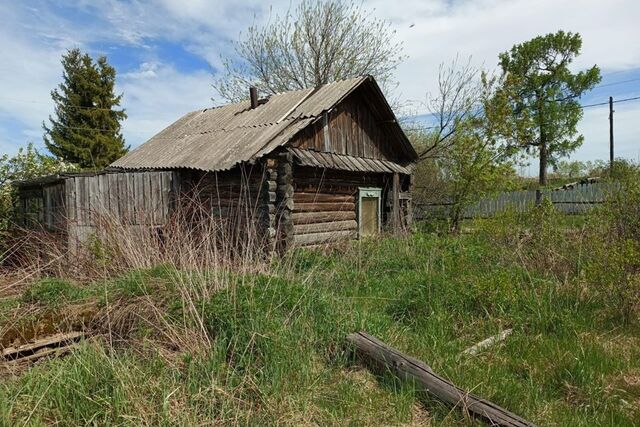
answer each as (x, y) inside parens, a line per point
(277, 353)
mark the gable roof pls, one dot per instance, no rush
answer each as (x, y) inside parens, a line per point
(219, 138)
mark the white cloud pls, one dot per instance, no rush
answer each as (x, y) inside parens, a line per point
(28, 73)
(33, 37)
(157, 95)
(485, 28)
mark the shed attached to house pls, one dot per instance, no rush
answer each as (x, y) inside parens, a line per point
(306, 167)
(72, 205)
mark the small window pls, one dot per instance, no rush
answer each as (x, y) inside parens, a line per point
(369, 211)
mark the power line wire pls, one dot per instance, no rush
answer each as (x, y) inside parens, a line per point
(635, 98)
(614, 101)
(617, 83)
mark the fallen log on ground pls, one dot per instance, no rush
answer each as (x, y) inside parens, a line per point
(409, 368)
(484, 344)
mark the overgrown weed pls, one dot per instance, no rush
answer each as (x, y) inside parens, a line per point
(261, 341)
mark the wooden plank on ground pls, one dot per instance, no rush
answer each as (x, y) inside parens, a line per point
(53, 340)
(406, 367)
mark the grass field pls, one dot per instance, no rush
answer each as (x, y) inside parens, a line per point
(268, 348)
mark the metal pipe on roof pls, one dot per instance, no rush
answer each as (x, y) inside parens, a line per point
(253, 94)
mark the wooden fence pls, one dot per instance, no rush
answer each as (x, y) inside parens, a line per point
(577, 200)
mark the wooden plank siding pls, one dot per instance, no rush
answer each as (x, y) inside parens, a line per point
(237, 190)
(131, 198)
(352, 130)
(242, 200)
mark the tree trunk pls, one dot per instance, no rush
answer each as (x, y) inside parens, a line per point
(542, 176)
(544, 154)
(456, 219)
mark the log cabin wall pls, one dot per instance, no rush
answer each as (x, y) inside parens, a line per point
(243, 198)
(325, 204)
(325, 200)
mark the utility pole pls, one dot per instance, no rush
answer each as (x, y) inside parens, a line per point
(611, 135)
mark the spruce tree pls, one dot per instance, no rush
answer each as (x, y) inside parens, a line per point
(86, 130)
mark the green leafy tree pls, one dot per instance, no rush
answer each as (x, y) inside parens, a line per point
(570, 169)
(461, 159)
(86, 130)
(316, 43)
(537, 106)
(474, 167)
(468, 169)
(28, 163)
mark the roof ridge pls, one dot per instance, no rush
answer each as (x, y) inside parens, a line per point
(217, 107)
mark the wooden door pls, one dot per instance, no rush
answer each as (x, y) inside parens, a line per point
(369, 211)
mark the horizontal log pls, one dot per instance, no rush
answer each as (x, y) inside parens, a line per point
(325, 226)
(324, 207)
(313, 217)
(310, 172)
(342, 190)
(323, 183)
(320, 238)
(406, 367)
(358, 180)
(300, 197)
(224, 211)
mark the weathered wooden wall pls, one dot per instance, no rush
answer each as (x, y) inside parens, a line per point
(131, 198)
(224, 194)
(243, 198)
(325, 204)
(351, 129)
(42, 206)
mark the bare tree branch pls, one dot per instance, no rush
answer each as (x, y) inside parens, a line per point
(314, 44)
(459, 98)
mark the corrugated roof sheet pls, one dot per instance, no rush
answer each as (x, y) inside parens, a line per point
(219, 138)
(344, 162)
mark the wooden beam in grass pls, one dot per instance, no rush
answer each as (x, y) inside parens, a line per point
(405, 367)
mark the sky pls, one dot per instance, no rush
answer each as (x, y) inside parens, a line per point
(167, 52)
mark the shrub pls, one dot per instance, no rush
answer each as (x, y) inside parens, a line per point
(613, 251)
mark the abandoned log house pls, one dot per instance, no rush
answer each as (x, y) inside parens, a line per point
(311, 166)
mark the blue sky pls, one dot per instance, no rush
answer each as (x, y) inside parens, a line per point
(167, 52)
